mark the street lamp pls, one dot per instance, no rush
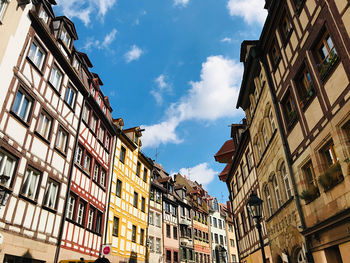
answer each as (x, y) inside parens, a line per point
(254, 207)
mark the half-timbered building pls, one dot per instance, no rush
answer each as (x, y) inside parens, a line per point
(39, 122)
(86, 204)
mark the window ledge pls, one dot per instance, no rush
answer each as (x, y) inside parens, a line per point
(20, 119)
(52, 210)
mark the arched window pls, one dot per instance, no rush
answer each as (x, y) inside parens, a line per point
(272, 121)
(286, 182)
(268, 200)
(264, 133)
(277, 191)
(258, 148)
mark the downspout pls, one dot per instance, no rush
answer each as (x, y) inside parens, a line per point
(234, 224)
(111, 168)
(149, 207)
(286, 151)
(69, 184)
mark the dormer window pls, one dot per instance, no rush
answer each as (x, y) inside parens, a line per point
(99, 100)
(170, 188)
(76, 64)
(66, 38)
(44, 16)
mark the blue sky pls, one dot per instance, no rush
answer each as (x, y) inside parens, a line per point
(172, 67)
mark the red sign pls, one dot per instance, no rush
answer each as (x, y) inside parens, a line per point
(106, 250)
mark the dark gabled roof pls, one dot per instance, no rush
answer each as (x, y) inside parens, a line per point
(96, 76)
(70, 24)
(224, 155)
(85, 58)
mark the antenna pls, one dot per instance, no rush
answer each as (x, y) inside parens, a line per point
(156, 155)
(222, 198)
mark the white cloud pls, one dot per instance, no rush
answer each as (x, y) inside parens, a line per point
(211, 98)
(200, 173)
(82, 9)
(252, 10)
(181, 2)
(162, 88)
(226, 39)
(94, 43)
(133, 54)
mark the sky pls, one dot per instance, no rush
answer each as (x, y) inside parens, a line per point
(171, 67)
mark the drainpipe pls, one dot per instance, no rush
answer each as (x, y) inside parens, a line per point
(149, 207)
(57, 253)
(262, 59)
(234, 223)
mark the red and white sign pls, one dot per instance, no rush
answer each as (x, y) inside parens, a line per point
(106, 250)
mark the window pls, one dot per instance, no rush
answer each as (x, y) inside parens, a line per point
(91, 216)
(51, 194)
(142, 236)
(157, 220)
(70, 96)
(3, 5)
(216, 238)
(175, 232)
(274, 55)
(285, 26)
(215, 222)
(119, 188)
(220, 223)
(143, 204)
(37, 55)
(151, 243)
(305, 86)
(66, 38)
(329, 154)
(286, 182)
(221, 240)
(158, 197)
(22, 105)
(309, 173)
(81, 213)
(158, 245)
(145, 175)
(326, 55)
(87, 162)
(76, 63)
(138, 167)
(234, 260)
(167, 207)
(264, 133)
(44, 125)
(290, 113)
(133, 236)
(168, 256)
(79, 155)
(56, 77)
(176, 259)
(268, 201)
(168, 234)
(96, 172)
(103, 177)
(115, 230)
(277, 191)
(122, 154)
(272, 121)
(31, 183)
(232, 243)
(98, 224)
(61, 139)
(44, 16)
(136, 197)
(101, 134)
(108, 139)
(258, 148)
(71, 206)
(86, 113)
(93, 123)
(150, 218)
(7, 167)
(173, 210)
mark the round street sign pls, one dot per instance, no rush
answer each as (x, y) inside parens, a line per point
(106, 250)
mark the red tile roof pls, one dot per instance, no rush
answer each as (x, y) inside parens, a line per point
(224, 173)
(224, 155)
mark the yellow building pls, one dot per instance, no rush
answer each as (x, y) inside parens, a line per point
(128, 206)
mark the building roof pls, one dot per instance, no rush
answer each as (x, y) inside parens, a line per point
(224, 155)
(224, 173)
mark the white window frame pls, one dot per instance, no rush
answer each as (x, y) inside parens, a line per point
(96, 172)
(102, 177)
(286, 181)
(7, 166)
(91, 216)
(277, 191)
(268, 200)
(3, 5)
(158, 245)
(31, 183)
(150, 218)
(44, 124)
(87, 163)
(62, 139)
(23, 100)
(272, 121)
(44, 16)
(51, 193)
(70, 207)
(80, 215)
(56, 77)
(34, 55)
(70, 96)
(65, 37)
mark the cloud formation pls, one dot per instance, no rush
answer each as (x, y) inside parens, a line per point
(209, 99)
(226, 40)
(107, 41)
(162, 87)
(133, 54)
(83, 9)
(182, 3)
(251, 11)
(200, 173)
